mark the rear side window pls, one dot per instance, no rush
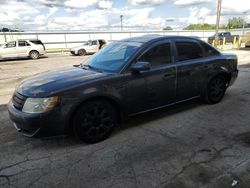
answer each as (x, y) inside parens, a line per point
(158, 55)
(36, 42)
(188, 51)
(208, 50)
(23, 43)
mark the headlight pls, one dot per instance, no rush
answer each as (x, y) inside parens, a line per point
(39, 105)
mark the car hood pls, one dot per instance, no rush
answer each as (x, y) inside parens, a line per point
(52, 82)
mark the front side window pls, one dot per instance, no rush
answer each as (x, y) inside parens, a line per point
(114, 56)
(158, 55)
(11, 44)
(188, 51)
(94, 42)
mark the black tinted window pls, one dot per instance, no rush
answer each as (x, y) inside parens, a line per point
(23, 43)
(11, 45)
(208, 50)
(188, 51)
(158, 55)
(36, 41)
(94, 42)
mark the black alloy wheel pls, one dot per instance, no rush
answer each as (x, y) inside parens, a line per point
(94, 121)
(216, 89)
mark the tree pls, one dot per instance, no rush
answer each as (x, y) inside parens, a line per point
(204, 26)
(235, 22)
(167, 28)
(4, 29)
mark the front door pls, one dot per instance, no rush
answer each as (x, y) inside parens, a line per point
(9, 50)
(156, 87)
(94, 47)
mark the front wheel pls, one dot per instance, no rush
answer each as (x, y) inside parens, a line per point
(82, 52)
(94, 121)
(215, 90)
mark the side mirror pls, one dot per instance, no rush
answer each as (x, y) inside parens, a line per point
(140, 66)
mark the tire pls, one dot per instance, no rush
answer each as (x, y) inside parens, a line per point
(82, 52)
(94, 121)
(216, 89)
(34, 54)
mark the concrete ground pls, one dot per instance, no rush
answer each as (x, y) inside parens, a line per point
(188, 145)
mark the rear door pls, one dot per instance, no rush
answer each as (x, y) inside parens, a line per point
(190, 66)
(9, 50)
(23, 48)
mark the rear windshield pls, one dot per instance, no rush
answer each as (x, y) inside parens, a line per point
(36, 41)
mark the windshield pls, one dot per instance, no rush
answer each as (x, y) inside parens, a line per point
(113, 57)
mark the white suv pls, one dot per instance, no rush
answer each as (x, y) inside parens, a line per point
(32, 48)
(88, 47)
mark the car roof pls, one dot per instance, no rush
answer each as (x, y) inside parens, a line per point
(151, 38)
(29, 39)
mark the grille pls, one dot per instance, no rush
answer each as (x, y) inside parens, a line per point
(18, 100)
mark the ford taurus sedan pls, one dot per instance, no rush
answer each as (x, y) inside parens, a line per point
(125, 78)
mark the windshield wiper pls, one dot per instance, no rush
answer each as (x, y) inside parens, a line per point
(86, 67)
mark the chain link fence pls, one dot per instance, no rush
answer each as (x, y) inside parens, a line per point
(68, 39)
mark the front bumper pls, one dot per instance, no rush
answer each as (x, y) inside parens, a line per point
(36, 125)
(234, 76)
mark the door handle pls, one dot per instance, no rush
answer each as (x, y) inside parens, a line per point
(168, 76)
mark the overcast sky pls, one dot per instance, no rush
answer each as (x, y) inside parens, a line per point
(105, 14)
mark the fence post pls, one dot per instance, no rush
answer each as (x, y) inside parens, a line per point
(65, 40)
(5, 38)
(110, 36)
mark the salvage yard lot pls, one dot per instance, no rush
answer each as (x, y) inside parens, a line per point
(188, 145)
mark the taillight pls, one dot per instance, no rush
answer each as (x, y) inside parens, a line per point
(43, 47)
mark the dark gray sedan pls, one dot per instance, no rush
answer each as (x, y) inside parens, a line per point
(125, 78)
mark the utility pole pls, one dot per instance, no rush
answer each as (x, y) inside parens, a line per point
(243, 28)
(218, 18)
(121, 16)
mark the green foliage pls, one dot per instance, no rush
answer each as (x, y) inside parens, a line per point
(235, 23)
(168, 28)
(200, 27)
(4, 29)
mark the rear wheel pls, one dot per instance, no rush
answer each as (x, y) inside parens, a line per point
(34, 54)
(82, 52)
(216, 89)
(94, 121)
